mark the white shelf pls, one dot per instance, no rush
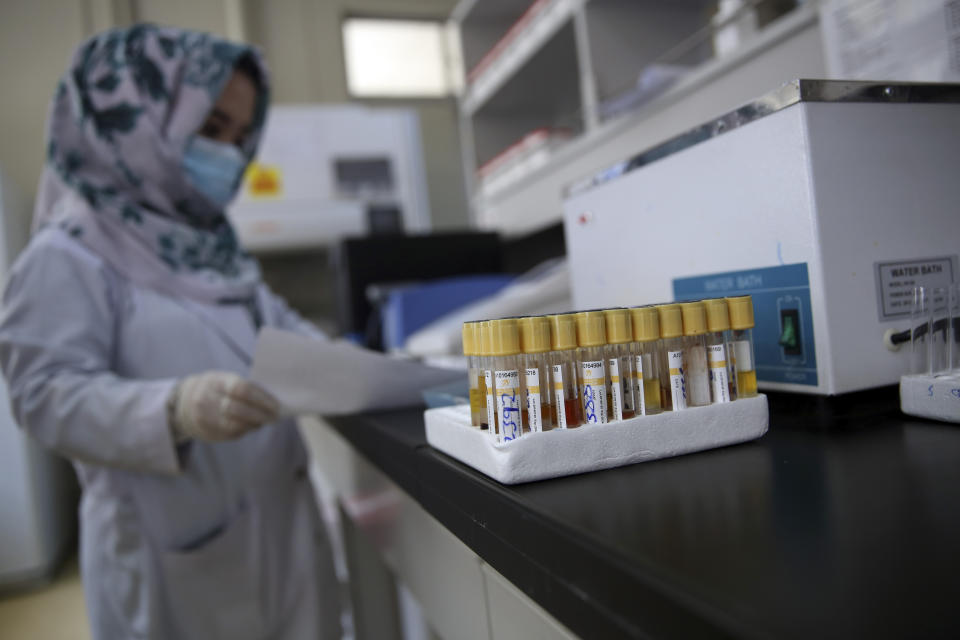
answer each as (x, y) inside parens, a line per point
(790, 48)
(543, 24)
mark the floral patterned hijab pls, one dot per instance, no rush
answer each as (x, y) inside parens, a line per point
(118, 125)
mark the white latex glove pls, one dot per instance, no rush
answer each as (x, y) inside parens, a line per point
(219, 405)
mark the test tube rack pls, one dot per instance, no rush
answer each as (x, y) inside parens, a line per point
(931, 396)
(592, 447)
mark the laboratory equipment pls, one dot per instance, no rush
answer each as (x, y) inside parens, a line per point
(478, 391)
(646, 366)
(620, 396)
(591, 367)
(563, 371)
(674, 396)
(535, 345)
(695, 353)
(486, 364)
(324, 172)
(718, 324)
(505, 348)
(741, 339)
(797, 199)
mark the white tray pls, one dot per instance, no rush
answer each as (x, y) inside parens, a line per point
(562, 452)
(936, 397)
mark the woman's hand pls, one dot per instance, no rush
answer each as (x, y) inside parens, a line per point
(219, 405)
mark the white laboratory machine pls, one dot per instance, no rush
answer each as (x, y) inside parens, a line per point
(324, 172)
(38, 494)
(827, 201)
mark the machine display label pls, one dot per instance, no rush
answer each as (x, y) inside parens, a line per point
(896, 280)
(784, 347)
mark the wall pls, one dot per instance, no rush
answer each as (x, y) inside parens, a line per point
(301, 39)
(37, 38)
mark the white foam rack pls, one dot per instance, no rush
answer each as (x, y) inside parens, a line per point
(928, 396)
(562, 452)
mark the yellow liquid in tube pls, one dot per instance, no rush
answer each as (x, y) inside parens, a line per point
(651, 394)
(746, 384)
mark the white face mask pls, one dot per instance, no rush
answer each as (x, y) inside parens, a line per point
(214, 168)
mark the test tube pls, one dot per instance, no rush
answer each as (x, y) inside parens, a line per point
(695, 353)
(592, 371)
(722, 387)
(940, 337)
(673, 397)
(486, 364)
(535, 344)
(741, 324)
(954, 332)
(646, 359)
(563, 371)
(505, 346)
(475, 372)
(620, 396)
(920, 332)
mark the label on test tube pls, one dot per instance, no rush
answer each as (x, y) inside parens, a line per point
(534, 406)
(638, 385)
(594, 392)
(741, 355)
(719, 381)
(491, 406)
(678, 387)
(558, 399)
(508, 404)
(616, 389)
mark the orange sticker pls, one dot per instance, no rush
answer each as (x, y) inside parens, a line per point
(263, 180)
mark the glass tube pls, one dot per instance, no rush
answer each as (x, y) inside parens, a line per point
(505, 344)
(722, 387)
(535, 344)
(920, 360)
(646, 359)
(563, 372)
(592, 370)
(940, 338)
(474, 373)
(673, 397)
(620, 395)
(954, 328)
(741, 345)
(695, 353)
(486, 366)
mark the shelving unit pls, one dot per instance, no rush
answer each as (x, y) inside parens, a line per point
(555, 65)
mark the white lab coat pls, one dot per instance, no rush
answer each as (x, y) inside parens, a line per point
(197, 540)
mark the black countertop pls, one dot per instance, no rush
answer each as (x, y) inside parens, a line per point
(847, 532)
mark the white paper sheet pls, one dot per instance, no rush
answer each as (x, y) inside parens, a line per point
(915, 40)
(335, 378)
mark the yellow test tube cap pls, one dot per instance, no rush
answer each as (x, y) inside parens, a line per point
(534, 334)
(563, 330)
(470, 341)
(694, 318)
(591, 329)
(671, 320)
(741, 312)
(718, 318)
(646, 323)
(504, 337)
(619, 327)
(486, 339)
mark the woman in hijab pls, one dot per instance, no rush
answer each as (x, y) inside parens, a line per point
(127, 327)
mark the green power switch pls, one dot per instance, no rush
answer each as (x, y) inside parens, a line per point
(790, 332)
